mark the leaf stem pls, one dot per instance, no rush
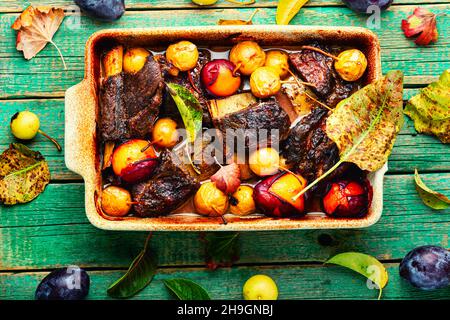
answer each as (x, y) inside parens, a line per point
(345, 156)
(58, 146)
(60, 54)
(320, 51)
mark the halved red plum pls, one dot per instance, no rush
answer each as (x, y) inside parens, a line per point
(347, 199)
(134, 160)
(274, 196)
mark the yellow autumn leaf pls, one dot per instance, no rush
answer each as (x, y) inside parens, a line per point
(287, 9)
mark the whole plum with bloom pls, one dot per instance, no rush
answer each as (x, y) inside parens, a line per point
(71, 283)
(361, 6)
(219, 78)
(427, 267)
(107, 10)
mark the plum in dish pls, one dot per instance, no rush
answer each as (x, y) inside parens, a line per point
(274, 101)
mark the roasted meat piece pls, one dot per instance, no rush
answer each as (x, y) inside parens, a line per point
(308, 148)
(317, 69)
(254, 121)
(170, 187)
(129, 103)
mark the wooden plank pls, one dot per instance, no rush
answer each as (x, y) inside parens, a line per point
(51, 115)
(20, 78)
(17, 6)
(294, 282)
(410, 151)
(49, 232)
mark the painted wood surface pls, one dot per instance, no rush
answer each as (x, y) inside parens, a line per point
(53, 231)
(294, 282)
(420, 65)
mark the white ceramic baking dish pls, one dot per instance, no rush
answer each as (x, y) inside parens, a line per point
(81, 112)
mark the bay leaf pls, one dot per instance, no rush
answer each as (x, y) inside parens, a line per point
(24, 174)
(185, 289)
(222, 249)
(430, 109)
(189, 108)
(365, 265)
(139, 274)
(430, 197)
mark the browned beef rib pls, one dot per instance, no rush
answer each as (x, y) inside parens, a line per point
(169, 188)
(112, 109)
(129, 103)
(317, 69)
(254, 122)
(308, 147)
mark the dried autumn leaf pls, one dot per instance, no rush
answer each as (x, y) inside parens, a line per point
(365, 265)
(24, 174)
(365, 125)
(224, 22)
(430, 197)
(422, 22)
(287, 9)
(228, 178)
(36, 27)
(430, 109)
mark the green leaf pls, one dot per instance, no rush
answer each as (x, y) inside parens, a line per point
(365, 265)
(365, 125)
(138, 276)
(430, 109)
(189, 108)
(24, 174)
(431, 198)
(222, 249)
(186, 289)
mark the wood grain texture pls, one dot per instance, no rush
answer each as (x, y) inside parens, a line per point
(294, 282)
(44, 76)
(17, 6)
(53, 231)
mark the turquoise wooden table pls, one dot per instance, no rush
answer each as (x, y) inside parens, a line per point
(52, 231)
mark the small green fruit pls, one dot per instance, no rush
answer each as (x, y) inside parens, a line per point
(25, 125)
(260, 287)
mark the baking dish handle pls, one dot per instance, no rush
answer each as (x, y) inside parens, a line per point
(80, 126)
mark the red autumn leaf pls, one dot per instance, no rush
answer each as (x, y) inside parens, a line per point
(228, 178)
(36, 27)
(423, 23)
